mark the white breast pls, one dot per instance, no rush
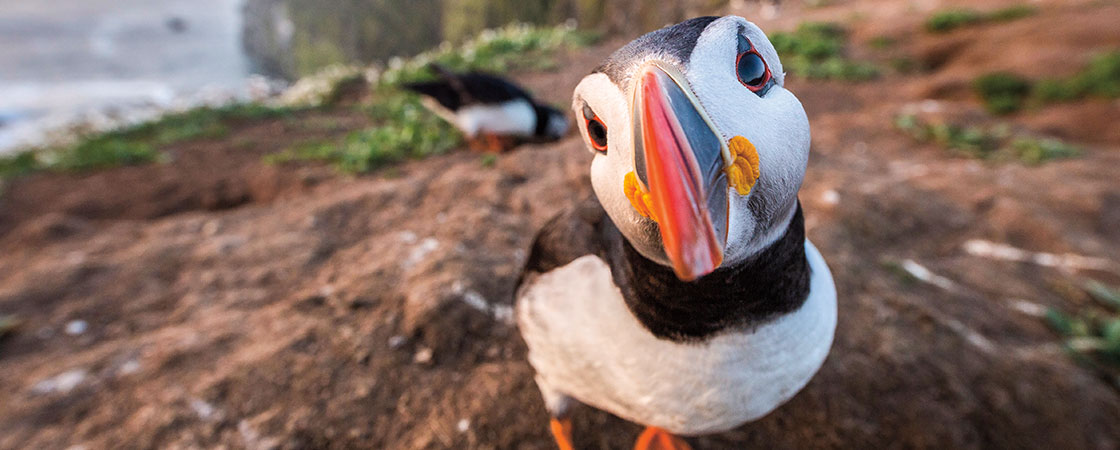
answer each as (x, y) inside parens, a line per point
(515, 117)
(585, 343)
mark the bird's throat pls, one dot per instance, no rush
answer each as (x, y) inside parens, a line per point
(767, 285)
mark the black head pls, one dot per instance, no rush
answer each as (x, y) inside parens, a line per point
(670, 44)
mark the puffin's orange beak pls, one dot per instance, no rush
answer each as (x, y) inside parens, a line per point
(679, 158)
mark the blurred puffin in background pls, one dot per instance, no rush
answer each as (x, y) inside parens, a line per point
(685, 296)
(493, 113)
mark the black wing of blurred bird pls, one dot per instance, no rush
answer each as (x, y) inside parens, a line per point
(456, 90)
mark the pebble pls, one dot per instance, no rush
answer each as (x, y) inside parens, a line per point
(76, 327)
(407, 237)
(830, 197)
(62, 382)
(211, 228)
(203, 409)
(423, 356)
(463, 425)
(420, 251)
(129, 367)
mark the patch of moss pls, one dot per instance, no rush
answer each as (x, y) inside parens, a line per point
(1092, 334)
(816, 50)
(1002, 92)
(882, 42)
(101, 153)
(514, 47)
(136, 144)
(904, 64)
(405, 130)
(18, 164)
(1101, 78)
(952, 19)
(1037, 151)
(1006, 92)
(1013, 12)
(488, 160)
(948, 20)
(994, 143)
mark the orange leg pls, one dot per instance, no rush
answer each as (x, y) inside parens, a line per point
(562, 432)
(490, 143)
(654, 438)
(494, 143)
(478, 143)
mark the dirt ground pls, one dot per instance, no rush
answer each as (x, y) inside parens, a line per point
(234, 304)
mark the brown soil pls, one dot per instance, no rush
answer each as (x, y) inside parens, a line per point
(235, 304)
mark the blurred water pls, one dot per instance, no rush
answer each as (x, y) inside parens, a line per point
(63, 59)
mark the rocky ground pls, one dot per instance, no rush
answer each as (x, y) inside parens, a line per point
(217, 301)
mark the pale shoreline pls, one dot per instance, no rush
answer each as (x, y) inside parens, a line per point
(99, 64)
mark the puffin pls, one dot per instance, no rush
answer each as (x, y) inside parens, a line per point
(684, 296)
(494, 114)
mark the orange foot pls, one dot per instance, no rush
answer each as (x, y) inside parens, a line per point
(492, 143)
(562, 432)
(477, 144)
(654, 438)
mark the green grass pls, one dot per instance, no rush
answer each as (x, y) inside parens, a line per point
(513, 47)
(18, 164)
(488, 160)
(1002, 92)
(1033, 150)
(403, 129)
(406, 131)
(1006, 92)
(137, 144)
(203, 122)
(904, 64)
(1101, 78)
(994, 143)
(944, 21)
(1092, 334)
(952, 19)
(1013, 12)
(882, 42)
(816, 50)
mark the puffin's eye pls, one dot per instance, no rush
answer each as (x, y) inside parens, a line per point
(751, 69)
(596, 130)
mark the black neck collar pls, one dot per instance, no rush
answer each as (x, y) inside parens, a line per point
(773, 282)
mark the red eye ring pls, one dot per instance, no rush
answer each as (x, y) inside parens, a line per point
(596, 130)
(754, 68)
